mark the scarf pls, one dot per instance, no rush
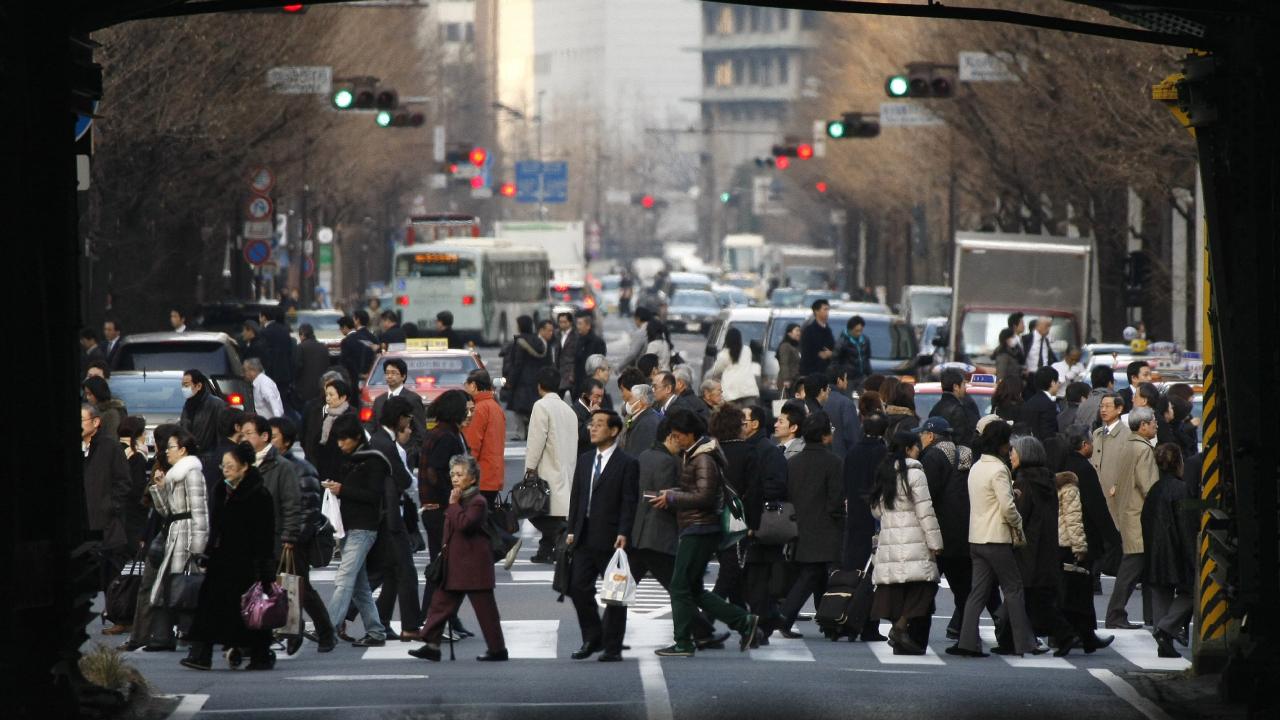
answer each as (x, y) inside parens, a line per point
(330, 414)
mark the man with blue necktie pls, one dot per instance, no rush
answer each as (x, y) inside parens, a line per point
(606, 484)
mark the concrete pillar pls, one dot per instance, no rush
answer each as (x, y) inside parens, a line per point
(1183, 206)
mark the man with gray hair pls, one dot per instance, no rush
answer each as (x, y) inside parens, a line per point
(685, 396)
(712, 393)
(266, 396)
(1136, 473)
(641, 430)
(597, 367)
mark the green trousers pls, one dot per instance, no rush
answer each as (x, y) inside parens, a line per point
(687, 594)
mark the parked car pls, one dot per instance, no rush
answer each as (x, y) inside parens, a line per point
(731, 296)
(213, 353)
(431, 372)
(610, 290)
(692, 311)
(156, 396)
(786, 297)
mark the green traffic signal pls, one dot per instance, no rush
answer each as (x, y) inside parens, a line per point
(836, 129)
(725, 197)
(383, 118)
(897, 86)
(343, 99)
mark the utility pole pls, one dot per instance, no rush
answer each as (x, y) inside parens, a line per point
(542, 206)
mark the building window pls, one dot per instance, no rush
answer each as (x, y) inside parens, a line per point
(754, 14)
(709, 15)
(724, 25)
(766, 21)
(739, 72)
(724, 74)
(739, 19)
(708, 74)
(451, 32)
(808, 19)
(471, 32)
(753, 73)
(784, 69)
(784, 19)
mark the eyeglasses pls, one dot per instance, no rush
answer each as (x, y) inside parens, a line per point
(173, 447)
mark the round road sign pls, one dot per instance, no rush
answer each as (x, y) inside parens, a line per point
(261, 180)
(308, 266)
(257, 252)
(258, 208)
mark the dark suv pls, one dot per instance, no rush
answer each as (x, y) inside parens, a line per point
(212, 353)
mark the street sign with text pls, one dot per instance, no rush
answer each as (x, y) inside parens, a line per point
(300, 79)
(907, 114)
(257, 230)
(988, 67)
(555, 182)
(528, 181)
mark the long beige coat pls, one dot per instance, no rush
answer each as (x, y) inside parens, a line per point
(1107, 452)
(992, 514)
(1137, 473)
(553, 448)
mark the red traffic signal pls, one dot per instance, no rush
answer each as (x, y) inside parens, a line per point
(820, 186)
(478, 156)
(782, 162)
(477, 182)
(507, 189)
(646, 202)
(804, 151)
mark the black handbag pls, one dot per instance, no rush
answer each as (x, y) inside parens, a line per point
(321, 546)
(564, 557)
(435, 571)
(531, 497)
(183, 589)
(122, 593)
(500, 539)
(777, 524)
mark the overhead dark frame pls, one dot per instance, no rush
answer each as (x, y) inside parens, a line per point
(934, 10)
(97, 15)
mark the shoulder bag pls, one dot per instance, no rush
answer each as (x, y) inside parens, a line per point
(183, 589)
(531, 497)
(777, 524)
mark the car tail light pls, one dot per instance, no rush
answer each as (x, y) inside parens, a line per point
(427, 380)
(468, 299)
(366, 414)
(589, 303)
(236, 399)
(402, 300)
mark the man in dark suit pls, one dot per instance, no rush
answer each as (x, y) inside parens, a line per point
(587, 403)
(392, 333)
(357, 346)
(589, 343)
(277, 361)
(952, 408)
(601, 514)
(642, 425)
(91, 350)
(391, 560)
(397, 372)
(565, 350)
(310, 362)
(112, 333)
(1041, 409)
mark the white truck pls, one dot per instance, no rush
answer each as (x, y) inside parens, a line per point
(742, 253)
(564, 243)
(802, 266)
(996, 274)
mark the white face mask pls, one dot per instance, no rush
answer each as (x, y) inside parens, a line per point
(188, 391)
(1012, 342)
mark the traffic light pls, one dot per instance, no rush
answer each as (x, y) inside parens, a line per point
(1137, 276)
(363, 93)
(507, 189)
(922, 80)
(820, 186)
(804, 151)
(477, 156)
(647, 201)
(725, 197)
(853, 125)
(782, 162)
(388, 118)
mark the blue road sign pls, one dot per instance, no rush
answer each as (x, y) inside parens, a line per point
(528, 181)
(257, 252)
(555, 182)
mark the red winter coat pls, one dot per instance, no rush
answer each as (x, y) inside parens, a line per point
(487, 436)
(468, 554)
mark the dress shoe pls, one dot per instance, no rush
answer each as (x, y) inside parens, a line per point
(461, 632)
(199, 657)
(1123, 625)
(1005, 651)
(750, 633)
(369, 641)
(894, 636)
(1181, 638)
(610, 657)
(1097, 643)
(712, 642)
(1164, 643)
(1064, 646)
(130, 646)
(159, 648)
(540, 559)
(906, 646)
(327, 644)
(962, 652)
(676, 650)
(873, 636)
(292, 645)
(392, 636)
(342, 633)
(493, 656)
(265, 662)
(1039, 650)
(790, 634)
(426, 652)
(587, 650)
(453, 636)
(117, 630)
(953, 634)
(412, 636)
(311, 635)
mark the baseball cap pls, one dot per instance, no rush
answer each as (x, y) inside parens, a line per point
(986, 420)
(935, 425)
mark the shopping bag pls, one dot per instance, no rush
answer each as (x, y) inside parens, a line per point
(264, 607)
(618, 588)
(287, 578)
(733, 519)
(331, 508)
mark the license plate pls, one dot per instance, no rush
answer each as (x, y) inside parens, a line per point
(694, 327)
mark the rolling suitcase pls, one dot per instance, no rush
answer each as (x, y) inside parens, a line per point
(844, 607)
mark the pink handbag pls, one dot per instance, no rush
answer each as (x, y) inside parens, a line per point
(264, 608)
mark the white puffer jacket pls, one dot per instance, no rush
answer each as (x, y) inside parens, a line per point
(909, 533)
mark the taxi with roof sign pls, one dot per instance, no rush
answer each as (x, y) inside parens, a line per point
(433, 369)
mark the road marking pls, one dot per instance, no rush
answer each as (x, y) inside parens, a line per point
(532, 576)
(188, 706)
(514, 453)
(988, 635)
(783, 650)
(1126, 692)
(366, 709)
(645, 635)
(531, 639)
(885, 655)
(657, 703)
(1139, 648)
(349, 678)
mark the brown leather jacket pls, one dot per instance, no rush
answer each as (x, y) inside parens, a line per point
(699, 499)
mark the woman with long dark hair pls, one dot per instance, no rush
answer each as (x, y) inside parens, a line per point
(1006, 355)
(527, 355)
(906, 571)
(240, 552)
(734, 369)
(1006, 402)
(658, 342)
(788, 359)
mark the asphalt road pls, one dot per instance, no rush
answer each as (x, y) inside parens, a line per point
(804, 678)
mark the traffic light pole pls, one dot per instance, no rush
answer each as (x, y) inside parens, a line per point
(542, 205)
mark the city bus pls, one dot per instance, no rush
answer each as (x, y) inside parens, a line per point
(485, 283)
